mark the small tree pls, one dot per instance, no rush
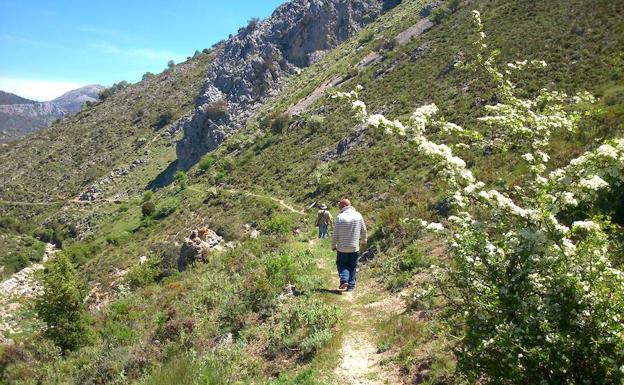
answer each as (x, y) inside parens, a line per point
(148, 209)
(170, 64)
(61, 305)
(181, 179)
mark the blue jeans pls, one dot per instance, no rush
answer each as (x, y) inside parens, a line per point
(347, 267)
(322, 231)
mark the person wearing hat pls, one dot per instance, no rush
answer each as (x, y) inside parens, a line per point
(323, 220)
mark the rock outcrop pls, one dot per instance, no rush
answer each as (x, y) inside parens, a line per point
(254, 64)
(197, 247)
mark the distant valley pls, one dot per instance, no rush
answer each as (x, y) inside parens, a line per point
(20, 116)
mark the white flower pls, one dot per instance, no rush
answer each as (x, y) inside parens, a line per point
(586, 226)
(594, 183)
(607, 151)
(568, 199)
(528, 157)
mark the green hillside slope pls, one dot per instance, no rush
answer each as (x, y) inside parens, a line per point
(236, 318)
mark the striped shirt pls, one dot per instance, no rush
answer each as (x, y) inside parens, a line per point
(349, 229)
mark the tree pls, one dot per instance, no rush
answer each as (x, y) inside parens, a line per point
(148, 208)
(61, 305)
(170, 64)
(181, 179)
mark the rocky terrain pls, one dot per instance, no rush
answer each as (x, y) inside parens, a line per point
(19, 116)
(253, 65)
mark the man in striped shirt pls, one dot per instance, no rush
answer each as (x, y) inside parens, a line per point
(349, 232)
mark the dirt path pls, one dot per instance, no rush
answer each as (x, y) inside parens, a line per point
(362, 311)
(281, 202)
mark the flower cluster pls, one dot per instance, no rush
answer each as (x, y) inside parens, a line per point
(538, 299)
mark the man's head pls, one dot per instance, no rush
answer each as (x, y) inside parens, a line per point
(344, 203)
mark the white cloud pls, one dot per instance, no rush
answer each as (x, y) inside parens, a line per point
(39, 90)
(140, 53)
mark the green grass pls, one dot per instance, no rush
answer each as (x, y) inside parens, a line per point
(238, 291)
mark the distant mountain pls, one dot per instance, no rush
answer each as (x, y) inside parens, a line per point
(73, 100)
(9, 98)
(20, 116)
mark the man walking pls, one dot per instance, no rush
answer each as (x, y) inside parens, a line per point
(323, 220)
(349, 231)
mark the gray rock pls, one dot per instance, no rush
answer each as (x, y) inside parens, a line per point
(254, 64)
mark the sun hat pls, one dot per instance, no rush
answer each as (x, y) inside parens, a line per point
(323, 207)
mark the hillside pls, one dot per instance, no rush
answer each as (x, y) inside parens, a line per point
(9, 98)
(20, 117)
(259, 305)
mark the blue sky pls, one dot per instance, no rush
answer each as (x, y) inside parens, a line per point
(50, 47)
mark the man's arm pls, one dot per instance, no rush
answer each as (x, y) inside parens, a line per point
(363, 235)
(335, 238)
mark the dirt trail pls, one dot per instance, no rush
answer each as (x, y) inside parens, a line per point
(274, 199)
(362, 310)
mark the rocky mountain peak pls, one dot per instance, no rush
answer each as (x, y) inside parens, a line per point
(254, 64)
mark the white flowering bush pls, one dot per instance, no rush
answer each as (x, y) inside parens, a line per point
(534, 298)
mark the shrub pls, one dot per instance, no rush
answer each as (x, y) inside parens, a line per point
(206, 162)
(278, 224)
(315, 123)
(253, 23)
(147, 76)
(170, 64)
(181, 179)
(147, 195)
(144, 274)
(167, 208)
(305, 325)
(217, 110)
(165, 118)
(280, 123)
(61, 305)
(148, 209)
(79, 253)
(117, 87)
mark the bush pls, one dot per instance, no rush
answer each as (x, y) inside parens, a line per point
(148, 209)
(206, 162)
(61, 305)
(278, 224)
(165, 118)
(305, 325)
(147, 76)
(217, 110)
(280, 123)
(147, 196)
(144, 274)
(167, 208)
(181, 179)
(170, 64)
(117, 87)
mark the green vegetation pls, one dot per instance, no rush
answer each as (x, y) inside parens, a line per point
(61, 305)
(232, 319)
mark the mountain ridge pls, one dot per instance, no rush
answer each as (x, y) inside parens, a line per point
(22, 116)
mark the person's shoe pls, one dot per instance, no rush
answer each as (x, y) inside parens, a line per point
(350, 289)
(343, 286)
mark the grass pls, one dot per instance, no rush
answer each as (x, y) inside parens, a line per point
(238, 291)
